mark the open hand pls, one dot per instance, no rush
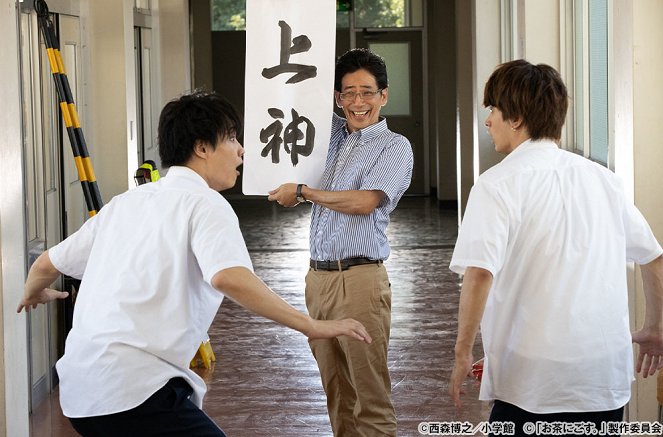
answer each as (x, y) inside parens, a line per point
(650, 354)
(462, 369)
(335, 328)
(44, 296)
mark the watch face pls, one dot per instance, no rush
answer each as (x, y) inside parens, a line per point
(300, 199)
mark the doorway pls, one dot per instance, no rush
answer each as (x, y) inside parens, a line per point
(402, 52)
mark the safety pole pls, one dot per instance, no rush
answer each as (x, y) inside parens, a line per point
(82, 159)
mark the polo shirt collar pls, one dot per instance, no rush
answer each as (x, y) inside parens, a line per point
(532, 145)
(177, 171)
(370, 132)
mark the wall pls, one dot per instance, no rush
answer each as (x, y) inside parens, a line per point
(647, 152)
(174, 48)
(541, 32)
(13, 360)
(110, 88)
(465, 101)
(442, 104)
(487, 57)
(202, 44)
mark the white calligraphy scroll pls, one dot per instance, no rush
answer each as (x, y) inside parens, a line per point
(287, 41)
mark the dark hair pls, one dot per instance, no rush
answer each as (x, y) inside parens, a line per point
(357, 59)
(199, 116)
(534, 93)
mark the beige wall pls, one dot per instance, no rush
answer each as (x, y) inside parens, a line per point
(465, 100)
(13, 359)
(442, 104)
(174, 43)
(647, 150)
(110, 88)
(202, 45)
(541, 32)
(488, 56)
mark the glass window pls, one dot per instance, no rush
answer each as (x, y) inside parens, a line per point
(231, 14)
(343, 19)
(591, 122)
(380, 13)
(579, 75)
(228, 14)
(397, 58)
(598, 80)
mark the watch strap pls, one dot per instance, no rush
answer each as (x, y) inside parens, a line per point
(298, 194)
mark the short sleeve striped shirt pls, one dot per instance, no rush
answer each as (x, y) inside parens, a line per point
(373, 158)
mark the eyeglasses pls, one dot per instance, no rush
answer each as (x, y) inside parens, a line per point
(364, 95)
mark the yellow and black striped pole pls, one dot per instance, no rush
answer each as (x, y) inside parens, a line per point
(84, 167)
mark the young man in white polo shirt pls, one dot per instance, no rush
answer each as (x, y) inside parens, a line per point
(153, 263)
(543, 248)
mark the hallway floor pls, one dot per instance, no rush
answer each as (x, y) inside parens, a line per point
(265, 381)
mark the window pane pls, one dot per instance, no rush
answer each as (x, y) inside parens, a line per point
(231, 14)
(228, 14)
(598, 80)
(579, 88)
(342, 19)
(397, 57)
(380, 13)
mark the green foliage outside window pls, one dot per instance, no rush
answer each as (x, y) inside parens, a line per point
(379, 13)
(228, 14)
(231, 14)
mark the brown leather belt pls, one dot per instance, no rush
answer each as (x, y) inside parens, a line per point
(342, 264)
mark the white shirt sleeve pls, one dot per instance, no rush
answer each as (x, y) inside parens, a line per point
(641, 244)
(483, 236)
(71, 255)
(217, 242)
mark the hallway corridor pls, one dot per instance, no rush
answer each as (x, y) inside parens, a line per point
(265, 381)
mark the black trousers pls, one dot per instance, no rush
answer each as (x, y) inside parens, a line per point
(505, 412)
(168, 412)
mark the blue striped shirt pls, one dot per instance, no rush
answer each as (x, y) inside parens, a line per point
(373, 158)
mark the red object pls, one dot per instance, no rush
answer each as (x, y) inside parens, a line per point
(477, 369)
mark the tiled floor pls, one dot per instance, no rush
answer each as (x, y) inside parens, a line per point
(265, 381)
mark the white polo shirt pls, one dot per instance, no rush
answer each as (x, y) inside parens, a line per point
(145, 301)
(555, 230)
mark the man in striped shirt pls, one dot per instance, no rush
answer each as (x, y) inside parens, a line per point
(368, 169)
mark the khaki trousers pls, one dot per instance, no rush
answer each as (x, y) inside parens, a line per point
(354, 374)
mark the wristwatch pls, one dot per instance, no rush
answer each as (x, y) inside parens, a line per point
(299, 195)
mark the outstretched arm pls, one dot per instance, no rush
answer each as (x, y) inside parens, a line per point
(473, 296)
(355, 202)
(245, 288)
(41, 275)
(650, 337)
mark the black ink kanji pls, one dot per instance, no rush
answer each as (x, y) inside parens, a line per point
(300, 44)
(291, 137)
